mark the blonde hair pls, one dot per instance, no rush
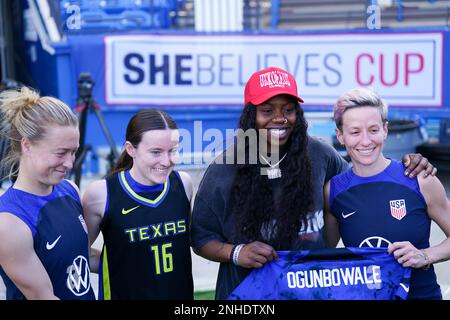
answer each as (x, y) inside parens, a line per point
(25, 114)
(359, 97)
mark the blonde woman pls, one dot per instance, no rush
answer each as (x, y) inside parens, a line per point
(43, 236)
(374, 205)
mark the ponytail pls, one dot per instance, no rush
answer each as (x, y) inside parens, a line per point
(125, 162)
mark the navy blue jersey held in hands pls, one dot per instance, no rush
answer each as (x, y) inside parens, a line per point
(327, 274)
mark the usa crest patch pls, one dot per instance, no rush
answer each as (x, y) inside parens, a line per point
(398, 208)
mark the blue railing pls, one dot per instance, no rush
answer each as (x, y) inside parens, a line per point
(121, 14)
(399, 10)
(252, 15)
(400, 15)
(275, 10)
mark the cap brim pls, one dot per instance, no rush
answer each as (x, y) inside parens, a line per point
(271, 94)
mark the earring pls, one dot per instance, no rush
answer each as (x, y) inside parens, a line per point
(285, 121)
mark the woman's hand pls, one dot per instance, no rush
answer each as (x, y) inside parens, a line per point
(408, 255)
(415, 163)
(256, 254)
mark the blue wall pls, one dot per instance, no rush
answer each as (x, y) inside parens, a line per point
(57, 75)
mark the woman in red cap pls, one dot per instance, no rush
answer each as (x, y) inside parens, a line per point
(265, 195)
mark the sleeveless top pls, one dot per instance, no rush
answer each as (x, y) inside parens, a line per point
(60, 239)
(146, 252)
(379, 210)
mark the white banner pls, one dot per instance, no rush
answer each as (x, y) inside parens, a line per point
(405, 68)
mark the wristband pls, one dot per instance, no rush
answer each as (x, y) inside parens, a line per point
(236, 251)
(232, 253)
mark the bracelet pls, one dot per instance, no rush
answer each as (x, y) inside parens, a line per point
(427, 260)
(232, 253)
(236, 251)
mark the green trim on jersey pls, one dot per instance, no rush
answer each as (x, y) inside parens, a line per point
(105, 273)
(141, 198)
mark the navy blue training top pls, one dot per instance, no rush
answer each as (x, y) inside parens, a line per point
(60, 239)
(378, 210)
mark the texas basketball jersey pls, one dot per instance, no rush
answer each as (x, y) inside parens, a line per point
(327, 274)
(379, 210)
(146, 252)
(60, 239)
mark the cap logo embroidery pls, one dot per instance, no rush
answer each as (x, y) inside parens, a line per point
(274, 79)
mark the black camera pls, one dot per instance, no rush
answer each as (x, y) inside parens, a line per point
(85, 85)
(85, 103)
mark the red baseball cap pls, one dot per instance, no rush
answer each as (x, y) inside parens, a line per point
(267, 83)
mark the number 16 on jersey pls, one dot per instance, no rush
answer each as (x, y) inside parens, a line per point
(161, 254)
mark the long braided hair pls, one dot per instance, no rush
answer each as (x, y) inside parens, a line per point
(253, 206)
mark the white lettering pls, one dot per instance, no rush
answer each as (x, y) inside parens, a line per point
(274, 79)
(347, 275)
(335, 277)
(291, 279)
